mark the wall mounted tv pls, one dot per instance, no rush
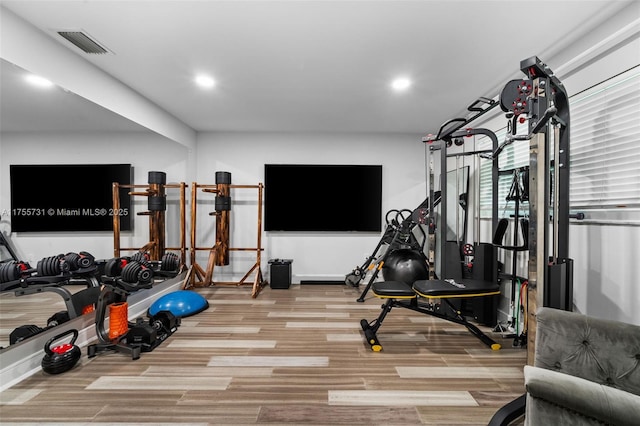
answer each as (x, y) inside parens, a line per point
(322, 197)
(68, 197)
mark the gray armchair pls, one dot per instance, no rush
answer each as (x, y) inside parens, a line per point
(586, 371)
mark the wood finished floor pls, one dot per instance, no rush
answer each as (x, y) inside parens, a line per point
(295, 356)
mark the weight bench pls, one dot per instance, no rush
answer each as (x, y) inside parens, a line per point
(401, 294)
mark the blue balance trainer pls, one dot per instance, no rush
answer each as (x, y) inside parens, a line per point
(181, 303)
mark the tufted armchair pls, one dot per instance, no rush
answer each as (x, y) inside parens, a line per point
(586, 371)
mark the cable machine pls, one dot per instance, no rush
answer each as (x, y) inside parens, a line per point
(450, 253)
(458, 259)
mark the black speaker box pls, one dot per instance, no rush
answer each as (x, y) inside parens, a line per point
(280, 273)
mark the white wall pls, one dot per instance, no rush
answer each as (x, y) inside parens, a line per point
(316, 256)
(605, 271)
(606, 256)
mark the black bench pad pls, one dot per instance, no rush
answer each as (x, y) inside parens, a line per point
(393, 290)
(455, 288)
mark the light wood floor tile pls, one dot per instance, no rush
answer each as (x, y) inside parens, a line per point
(17, 397)
(505, 352)
(249, 301)
(9, 299)
(219, 329)
(269, 361)
(210, 414)
(317, 299)
(356, 307)
(213, 343)
(402, 397)
(11, 315)
(169, 371)
(406, 337)
(147, 383)
(422, 319)
(460, 372)
(202, 371)
(324, 325)
(297, 314)
(471, 416)
(322, 415)
(343, 337)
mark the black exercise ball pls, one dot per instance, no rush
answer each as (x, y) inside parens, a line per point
(405, 265)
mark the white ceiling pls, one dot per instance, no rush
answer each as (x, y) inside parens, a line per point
(297, 66)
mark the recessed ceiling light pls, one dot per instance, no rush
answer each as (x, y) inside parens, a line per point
(400, 84)
(36, 80)
(205, 81)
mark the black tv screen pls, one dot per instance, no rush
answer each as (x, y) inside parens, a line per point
(319, 197)
(68, 197)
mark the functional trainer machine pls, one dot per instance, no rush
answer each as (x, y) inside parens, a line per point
(540, 101)
(449, 284)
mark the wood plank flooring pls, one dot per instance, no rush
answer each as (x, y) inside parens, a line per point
(290, 356)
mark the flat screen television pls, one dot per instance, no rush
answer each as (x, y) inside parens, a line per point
(68, 197)
(323, 197)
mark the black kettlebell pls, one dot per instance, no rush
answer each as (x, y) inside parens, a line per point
(63, 357)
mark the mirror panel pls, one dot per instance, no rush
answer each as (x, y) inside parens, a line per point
(25, 108)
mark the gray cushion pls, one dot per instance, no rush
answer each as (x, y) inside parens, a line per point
(558, 398)
(602, 351)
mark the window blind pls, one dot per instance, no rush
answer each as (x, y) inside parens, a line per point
(604, 157)
(605, 144)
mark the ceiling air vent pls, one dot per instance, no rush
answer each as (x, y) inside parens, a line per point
(83, 41)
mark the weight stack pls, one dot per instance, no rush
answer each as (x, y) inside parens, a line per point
(482, 309)
(558, 292)
(485, 309)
